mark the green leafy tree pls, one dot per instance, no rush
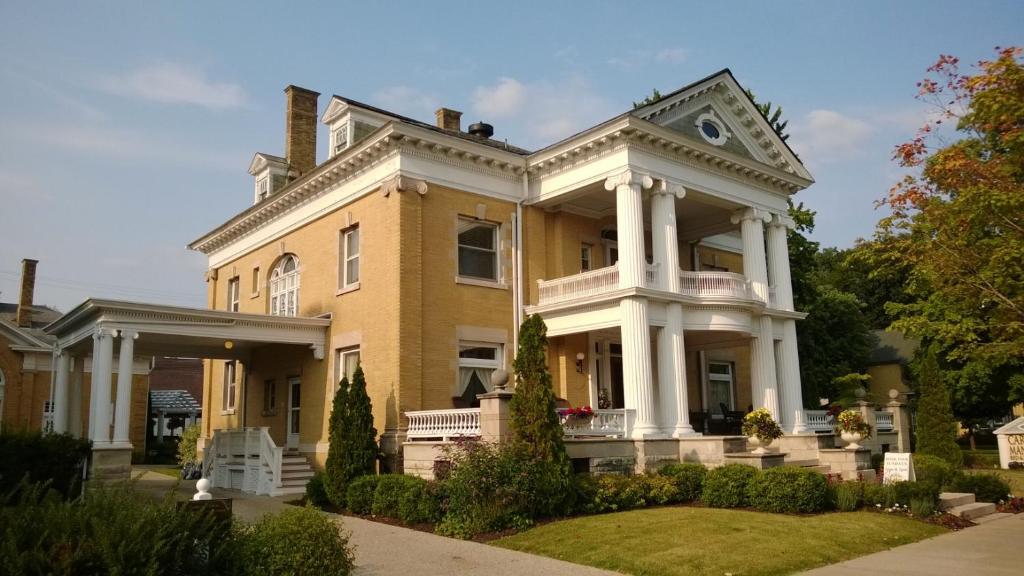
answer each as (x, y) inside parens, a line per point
(772, 115)
(353, 449)
(834, 340)
(935, 427)
(654, 97)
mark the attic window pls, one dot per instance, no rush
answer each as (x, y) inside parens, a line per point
(712, 128)
(340, 138)
(262, 188)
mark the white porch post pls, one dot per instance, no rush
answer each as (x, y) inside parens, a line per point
(60, 393)
(160, 427)
(664, 234)
(789, 357)
(636, 341)
(75, 402)
(99, 407)
(762, 347)
(123, 406)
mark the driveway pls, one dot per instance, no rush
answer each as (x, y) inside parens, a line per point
(383, 549)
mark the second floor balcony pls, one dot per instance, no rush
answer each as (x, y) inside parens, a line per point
(708, 285)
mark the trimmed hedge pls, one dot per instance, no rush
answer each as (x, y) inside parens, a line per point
(390, 488)
(295, 541)
(56, 458)
(727, 486)
(985, 487)
(688, 478)
(789, 489)
(421, 503)
(316, 492)
(360, 494)
(933, 469)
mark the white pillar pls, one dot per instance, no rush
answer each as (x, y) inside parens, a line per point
(755, 267)
(75, 394)
(160, 427)
(123, 407)
(60, 392)
(762, 368)
(778, 261)
(99, 407)
(664, 234)
(677, 353)
(628, 187)
(636, 365)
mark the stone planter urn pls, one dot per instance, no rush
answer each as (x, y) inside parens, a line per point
(852, 439)
(758, 446)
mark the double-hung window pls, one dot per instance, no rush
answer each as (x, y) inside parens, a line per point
(477, 361)
(263, 188)
(349, 265)
(346, 361)
(720, 386)
(340, 137)
(230, 386)
(233, 286)
(586, 256)
(478, 249)
(284, 287)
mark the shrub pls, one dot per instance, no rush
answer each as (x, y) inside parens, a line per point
(56, 458)
(726, 486)
(688, 478)
(316, 493)
(360, 494)
(296, 541)
(922, 507)
(935, 470)
(789, 489)
(187, 451)
(353, 447)
(973, 459)
(879, 495)
(390, 488)
(849, 496)
(985, 487)
(110, 529)
(421, 503)
(658, 489)
(904, 493)
(615, 493)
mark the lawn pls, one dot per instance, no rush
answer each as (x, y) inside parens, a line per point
(684, 540)
(1014, 477)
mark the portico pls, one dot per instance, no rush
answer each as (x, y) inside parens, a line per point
(97, 328)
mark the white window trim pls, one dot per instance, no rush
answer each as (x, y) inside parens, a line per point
(234, 293)
(229, 388)
(278, 289)
(256, 287)
(711, 117)
(263, 182)
(498, 281)
(345, 126)
(339, 361)
(731, 379)
(587, 255)
(496, 364)
(345, 257)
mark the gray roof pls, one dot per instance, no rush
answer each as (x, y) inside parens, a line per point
(173, 402)
(40, 317)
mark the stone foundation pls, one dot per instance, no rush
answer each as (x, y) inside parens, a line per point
(759, 461)
(709, 450)
(849, 464)
(419, 457)
(803, 448)
(110, 464)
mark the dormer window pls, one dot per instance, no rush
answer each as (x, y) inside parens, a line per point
(339, 138)
(263, 188)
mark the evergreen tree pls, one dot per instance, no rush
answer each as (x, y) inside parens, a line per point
(353, 447)
(534, 423)
(935, 427)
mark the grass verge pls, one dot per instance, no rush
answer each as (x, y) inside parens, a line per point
(704, 541)
(1014, 477)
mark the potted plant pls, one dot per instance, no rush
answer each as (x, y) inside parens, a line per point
(577, 417)
(760, 429)
(852, 428)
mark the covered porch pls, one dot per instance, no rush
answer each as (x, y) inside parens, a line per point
(96, 327)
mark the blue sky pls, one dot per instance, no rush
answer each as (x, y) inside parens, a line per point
(126, 129)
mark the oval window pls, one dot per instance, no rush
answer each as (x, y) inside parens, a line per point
(710, 130)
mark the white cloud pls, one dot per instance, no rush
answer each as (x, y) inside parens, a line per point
(170, 83)
(542, 112)
(407, 100)
(826, 136)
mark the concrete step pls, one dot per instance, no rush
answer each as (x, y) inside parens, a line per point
(288, 490)
(296, 466)
(305, 475)
(991, 517)
(973, 510)
(949, 500)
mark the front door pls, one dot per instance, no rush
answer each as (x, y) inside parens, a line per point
(294, 401)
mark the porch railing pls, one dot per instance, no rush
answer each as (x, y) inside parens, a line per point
(883, 421)
(722, 284)
(819, 421)
(246, 454)
(603, 424)
(443, 424)
(590, 283)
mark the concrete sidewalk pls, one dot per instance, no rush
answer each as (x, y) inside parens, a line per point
(989, 549)
(383, 549)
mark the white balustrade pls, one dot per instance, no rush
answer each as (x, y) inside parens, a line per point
(590, 283)
(883, 421)
(443, 424)
(819, 421)
(603, 423)
(651, 276)
(250, 451)
(717, 284)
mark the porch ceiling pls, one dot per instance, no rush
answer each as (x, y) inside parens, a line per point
(186, 332)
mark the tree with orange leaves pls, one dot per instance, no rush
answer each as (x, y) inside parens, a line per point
(958, 223)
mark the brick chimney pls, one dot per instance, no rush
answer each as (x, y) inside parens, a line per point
(448, 119)
(300, 129)
(28, 288)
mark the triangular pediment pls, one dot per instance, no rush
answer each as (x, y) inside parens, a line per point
(717, 111)
(1015, 427)
(261, 160)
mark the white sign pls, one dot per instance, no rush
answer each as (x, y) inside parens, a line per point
(898, 467)
(1011, 443)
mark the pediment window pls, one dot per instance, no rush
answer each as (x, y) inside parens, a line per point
(712, 128)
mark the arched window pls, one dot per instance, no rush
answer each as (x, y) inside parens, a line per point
(284, 287)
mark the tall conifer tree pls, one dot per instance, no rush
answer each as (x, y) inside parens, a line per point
(353, 447)
(935, 427)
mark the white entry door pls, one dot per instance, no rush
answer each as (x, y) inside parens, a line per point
(294, 402)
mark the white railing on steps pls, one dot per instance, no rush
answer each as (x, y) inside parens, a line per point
(250, 452)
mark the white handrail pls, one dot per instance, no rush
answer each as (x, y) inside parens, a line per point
(443, 424)
(727, 284)
(883, 421)
(819, 421)
(651, 275)
(272, 455)
(590, 283)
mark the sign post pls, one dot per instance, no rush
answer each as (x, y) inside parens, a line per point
(898, 467)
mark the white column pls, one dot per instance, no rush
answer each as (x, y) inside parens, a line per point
(664, 234)
(778, 261)
(755, 267)
(636, 365)
(99, 408)
(628, 187)
(680, 426)
(60, 393)
(160, 427)
(123, 406)
(75, 393)
(762, 368)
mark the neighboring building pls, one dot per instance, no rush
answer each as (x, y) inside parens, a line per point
(888, 365)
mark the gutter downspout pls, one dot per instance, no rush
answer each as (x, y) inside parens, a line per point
(517, 266)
